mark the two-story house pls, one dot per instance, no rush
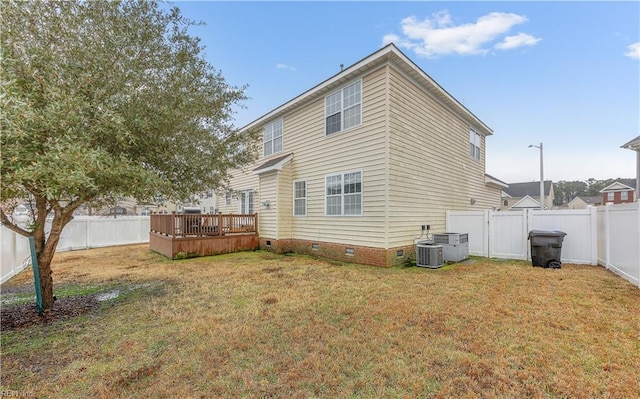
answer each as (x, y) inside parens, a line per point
(352, 168)
(619, 192)
(526, 195)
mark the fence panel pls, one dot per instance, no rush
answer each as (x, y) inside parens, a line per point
(508, 232)
(623, 240)
(602, 224)
(81, 233)
(123, 230)
(580, 244)
(74, 235)
(475, 223)
(16, 254)
(508, 235)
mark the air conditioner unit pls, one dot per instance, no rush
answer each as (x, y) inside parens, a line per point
(455, 245)
(429, 255)
(450, 238)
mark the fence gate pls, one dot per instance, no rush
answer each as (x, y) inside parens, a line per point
(504, 234)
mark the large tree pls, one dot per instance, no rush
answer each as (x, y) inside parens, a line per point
(102, 99)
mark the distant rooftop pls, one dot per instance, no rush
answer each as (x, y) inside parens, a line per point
(531, 189)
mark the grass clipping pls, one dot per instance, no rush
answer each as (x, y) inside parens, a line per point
(256, 324)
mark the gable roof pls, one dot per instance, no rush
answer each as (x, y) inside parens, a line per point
(526, 202)
(389, 54)
(618, 186)
(591, 199)
(532, 189)
(633, 144)
(273, 164)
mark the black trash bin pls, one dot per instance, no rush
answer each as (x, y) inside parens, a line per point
(546, 248)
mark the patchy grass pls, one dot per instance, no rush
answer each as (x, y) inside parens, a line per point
(259, 325)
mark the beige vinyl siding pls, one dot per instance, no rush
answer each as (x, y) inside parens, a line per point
(243, 179)
(268, 190)
(285, 202)
(430, 170)
(358, 149)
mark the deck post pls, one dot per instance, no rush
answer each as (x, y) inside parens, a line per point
(173, 224)
(255, 222)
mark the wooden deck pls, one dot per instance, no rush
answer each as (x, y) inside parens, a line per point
(187, 235)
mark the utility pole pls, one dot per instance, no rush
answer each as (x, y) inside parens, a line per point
(541, 176)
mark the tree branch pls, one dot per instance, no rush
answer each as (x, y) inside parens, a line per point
(12, 226)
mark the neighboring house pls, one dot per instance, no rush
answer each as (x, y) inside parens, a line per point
(619, 192)
(583, 202)
(526, 195)
(352, 168)
(634, 145)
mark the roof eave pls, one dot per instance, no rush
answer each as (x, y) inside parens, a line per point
(388, 53)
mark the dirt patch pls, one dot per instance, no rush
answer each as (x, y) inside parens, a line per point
(26, 314)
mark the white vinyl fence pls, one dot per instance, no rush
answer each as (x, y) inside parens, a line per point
(619, 239)
(81, 233)
(607, 235)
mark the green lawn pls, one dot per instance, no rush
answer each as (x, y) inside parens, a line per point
(259, 325)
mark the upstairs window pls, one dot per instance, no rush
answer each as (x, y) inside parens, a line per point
(475, 145)
(272, 138)
(343, 108)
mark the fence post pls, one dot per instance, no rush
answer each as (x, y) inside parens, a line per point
(607, 236)
(638, 246)
(527, 223)
(487, 218)
(593, 223)
(88, 239)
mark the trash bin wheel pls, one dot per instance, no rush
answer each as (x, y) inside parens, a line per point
(554, 264)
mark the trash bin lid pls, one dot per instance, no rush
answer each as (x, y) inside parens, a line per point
(545, 233)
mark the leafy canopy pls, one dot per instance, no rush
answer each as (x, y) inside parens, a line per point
(103, 99)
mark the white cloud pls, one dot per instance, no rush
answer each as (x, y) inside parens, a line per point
(519, 40)
(438, 35)
(633, 51)
(285, 66)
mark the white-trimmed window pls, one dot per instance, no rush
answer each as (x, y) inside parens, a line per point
(272, 137)
(300, 198)
(343, 194)
(227, 198)
(475, 145)
(624, 196)
(610, 196)
(343, 108)
(245, 202)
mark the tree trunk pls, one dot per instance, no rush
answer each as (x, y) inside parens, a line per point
(45, 255)
(46, 280)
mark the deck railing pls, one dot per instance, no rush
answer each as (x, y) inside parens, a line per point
(190, 225)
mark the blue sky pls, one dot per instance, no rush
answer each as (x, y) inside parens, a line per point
(566, 74)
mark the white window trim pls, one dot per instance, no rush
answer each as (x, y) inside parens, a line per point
(306, 196)
(341, 215)
(245, 192)
(611, 196)
(340, 90)
(227, 198)
(477, 148)
(273, 151)
(624, 196)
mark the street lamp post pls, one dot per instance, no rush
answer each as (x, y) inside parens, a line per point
(541, 177)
